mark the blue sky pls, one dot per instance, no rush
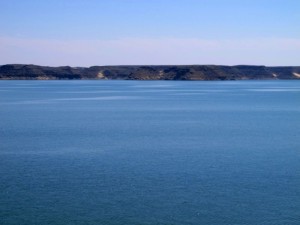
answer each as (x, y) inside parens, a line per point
(115, 32)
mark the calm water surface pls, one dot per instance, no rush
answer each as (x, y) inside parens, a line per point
(149, 152)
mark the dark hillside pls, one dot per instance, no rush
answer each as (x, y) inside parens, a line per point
(194, 72)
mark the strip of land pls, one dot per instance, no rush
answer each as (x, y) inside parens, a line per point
(168, 72)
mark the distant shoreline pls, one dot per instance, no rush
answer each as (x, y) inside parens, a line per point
(163, 72)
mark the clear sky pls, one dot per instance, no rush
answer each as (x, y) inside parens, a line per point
(119, 32)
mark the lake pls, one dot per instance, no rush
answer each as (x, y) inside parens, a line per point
(150, 152)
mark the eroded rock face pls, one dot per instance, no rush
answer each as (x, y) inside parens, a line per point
(195, 72)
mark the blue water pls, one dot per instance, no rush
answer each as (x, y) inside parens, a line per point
(149, 152)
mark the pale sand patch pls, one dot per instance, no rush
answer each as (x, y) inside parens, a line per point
(297, 75)
(100, 75)
(43, 78)
(161, 73)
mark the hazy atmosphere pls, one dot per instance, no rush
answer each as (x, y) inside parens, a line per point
(135, 32)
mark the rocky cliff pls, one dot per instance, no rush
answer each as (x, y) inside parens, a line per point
(193, 72)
